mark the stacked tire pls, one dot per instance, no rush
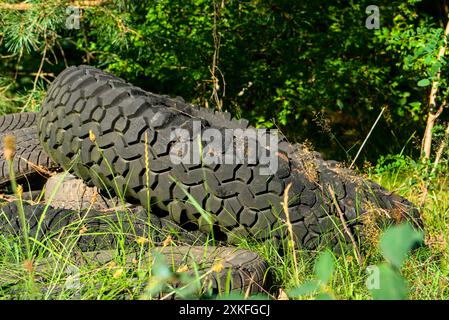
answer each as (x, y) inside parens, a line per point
(30, 160)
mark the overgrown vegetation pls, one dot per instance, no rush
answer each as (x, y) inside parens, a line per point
(310, 68)
(420, 274)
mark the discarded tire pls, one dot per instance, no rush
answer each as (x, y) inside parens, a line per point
(66, 191)
(102, 129)
(207, 271)
(239, 271)
(30, 160)
(94, 230)
(15, 121)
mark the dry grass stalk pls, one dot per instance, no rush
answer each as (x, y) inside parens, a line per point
(367, 137)
(290, 230)
(345, 227)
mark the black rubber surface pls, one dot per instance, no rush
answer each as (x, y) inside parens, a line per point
(102, 229)
(29, 157)
(11, 122)
(241, 271)
(242, 202)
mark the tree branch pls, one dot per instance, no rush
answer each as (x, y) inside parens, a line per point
(15, 6)
(24, 6)
(433, 116)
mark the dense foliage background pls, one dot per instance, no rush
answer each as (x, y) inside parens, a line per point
(311, 68)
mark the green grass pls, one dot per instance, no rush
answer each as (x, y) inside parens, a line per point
(426, 270)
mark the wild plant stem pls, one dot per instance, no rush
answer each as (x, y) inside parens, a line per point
(21, 212)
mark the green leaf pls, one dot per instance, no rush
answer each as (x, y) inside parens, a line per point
(206, 215)
(306, 288)
(324, 296)
(415, 105)
(340, 104)
(160, 268)
(424, 83)
(324, 267)
(396, 242)
(391, 285)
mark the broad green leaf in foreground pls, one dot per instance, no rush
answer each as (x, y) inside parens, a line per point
(324, 267)
(305, 289)
(391, 285)
(397, 241)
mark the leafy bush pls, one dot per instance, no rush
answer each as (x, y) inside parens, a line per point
(309, 67)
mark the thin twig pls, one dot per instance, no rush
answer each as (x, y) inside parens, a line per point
(16, 6)
(367, 137)
(38, 75)
(440, 150)
(215, 58)
(38, 168)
